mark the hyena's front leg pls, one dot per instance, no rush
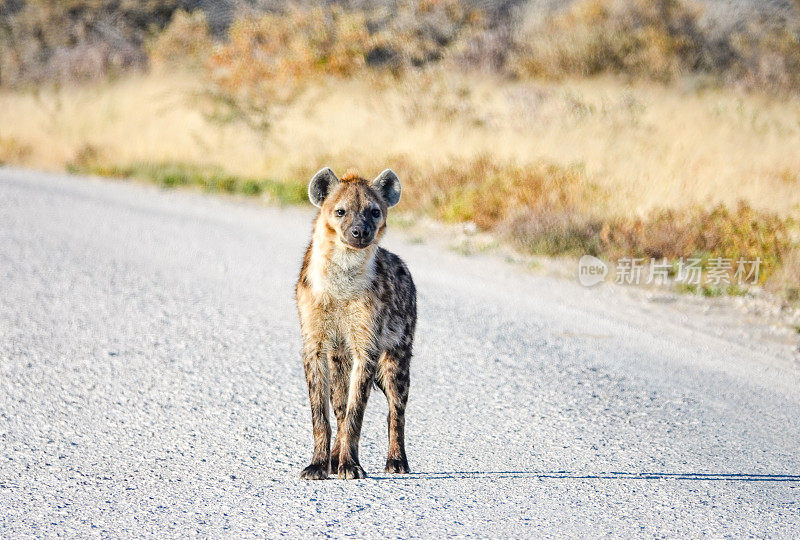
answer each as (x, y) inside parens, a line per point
(316, 368)
(362, 376)
(339, 366)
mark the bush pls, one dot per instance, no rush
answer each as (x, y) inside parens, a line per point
(716, 232)
(420, 32)
(270, 58)
(657, 39)
(65, 40)
(489, 193)
(13, 152)
(764, 57)
(185, 42)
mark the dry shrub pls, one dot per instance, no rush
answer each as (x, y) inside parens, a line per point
(269, 59)
(719, 232)
(786, 279)
(652, 38)
(656, 39)
(555, 233)
(13, 152)
(489, 193)
(185, 42)
(705, 232)
(493, 49)
(765, 57)
(419, 32)
(67, 40)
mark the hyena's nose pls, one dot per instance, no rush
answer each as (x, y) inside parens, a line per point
(358, 232)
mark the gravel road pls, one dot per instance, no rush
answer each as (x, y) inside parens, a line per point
(150, 384)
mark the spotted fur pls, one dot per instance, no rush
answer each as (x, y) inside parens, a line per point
(357, 306)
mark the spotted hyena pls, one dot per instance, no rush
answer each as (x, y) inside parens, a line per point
(358, 310)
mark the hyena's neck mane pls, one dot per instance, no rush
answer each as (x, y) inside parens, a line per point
(336, 270)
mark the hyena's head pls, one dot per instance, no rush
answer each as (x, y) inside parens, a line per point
(354, 208)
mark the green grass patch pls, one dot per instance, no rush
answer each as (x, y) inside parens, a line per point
(208, 178)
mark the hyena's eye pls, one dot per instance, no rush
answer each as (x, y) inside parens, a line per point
(340, 212)
(376, 213)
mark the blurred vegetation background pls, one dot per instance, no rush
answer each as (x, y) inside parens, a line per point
(643, 128)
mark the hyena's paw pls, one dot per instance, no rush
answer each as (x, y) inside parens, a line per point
(351, 471)
(315, 471)
(397, 466)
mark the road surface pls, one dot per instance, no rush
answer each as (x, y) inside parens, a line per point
(150, 384)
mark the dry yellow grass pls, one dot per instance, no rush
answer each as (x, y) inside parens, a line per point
(648, 145)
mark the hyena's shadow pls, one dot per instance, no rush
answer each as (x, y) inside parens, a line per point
(568, 475)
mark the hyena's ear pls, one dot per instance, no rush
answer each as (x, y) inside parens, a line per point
(321, 185)
(387, 184)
